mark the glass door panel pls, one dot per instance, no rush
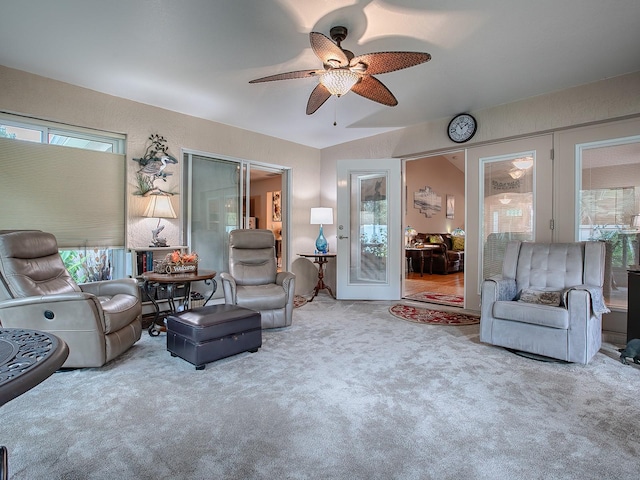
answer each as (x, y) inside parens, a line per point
(607, 204)
(214, 199)
(369, 220)
(507, 206)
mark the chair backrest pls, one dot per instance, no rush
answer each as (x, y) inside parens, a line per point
(30, 265)
(252, 257)
(554, 265)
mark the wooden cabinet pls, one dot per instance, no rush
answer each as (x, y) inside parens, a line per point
(633, 310)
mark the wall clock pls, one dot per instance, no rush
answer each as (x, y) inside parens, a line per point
(462, 127)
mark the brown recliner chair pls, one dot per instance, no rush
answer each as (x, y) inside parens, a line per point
(253, 280)
(98, 321)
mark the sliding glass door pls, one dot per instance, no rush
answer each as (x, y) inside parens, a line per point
(221, 195)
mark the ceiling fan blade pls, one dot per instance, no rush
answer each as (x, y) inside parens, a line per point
(384, 62)
(327, 51)
(373, 89)
(319, 95)
(287, 76)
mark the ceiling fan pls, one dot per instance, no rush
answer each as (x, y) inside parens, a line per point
(344, 72)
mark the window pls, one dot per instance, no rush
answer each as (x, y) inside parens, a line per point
(39, 131)
(70, 182)
(609, 198)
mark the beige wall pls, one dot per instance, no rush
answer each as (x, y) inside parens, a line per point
(444, 179)
(559, 113)
(42, 98)
(28, 94)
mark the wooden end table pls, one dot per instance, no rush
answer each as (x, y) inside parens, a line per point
(424, 249)
(321, 259)
(171, 281)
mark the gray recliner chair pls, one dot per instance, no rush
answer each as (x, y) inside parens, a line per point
(548, 300)
(98, 321)
(253, 280)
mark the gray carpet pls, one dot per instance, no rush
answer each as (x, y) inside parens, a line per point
(347, 392)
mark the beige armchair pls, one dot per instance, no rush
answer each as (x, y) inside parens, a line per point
(98, 321)
(253, 280)
(548, 300)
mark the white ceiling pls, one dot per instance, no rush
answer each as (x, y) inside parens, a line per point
(197, 56)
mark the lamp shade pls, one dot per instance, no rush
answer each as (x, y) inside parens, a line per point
(160, 207)
(321, 216)
(635, 221)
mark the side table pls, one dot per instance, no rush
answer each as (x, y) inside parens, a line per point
(422, 250)
(171, 280)
(321, 259)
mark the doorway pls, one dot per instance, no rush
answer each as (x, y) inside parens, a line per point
(434, 210)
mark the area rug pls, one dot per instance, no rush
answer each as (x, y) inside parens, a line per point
(299, 301)
(431, 317)
(439, 298)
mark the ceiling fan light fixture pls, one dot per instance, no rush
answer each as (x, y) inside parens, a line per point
(515, 174)
(523, 163)
(339, 80)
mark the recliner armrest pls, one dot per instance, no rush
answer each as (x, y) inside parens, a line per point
(228, 287)
(128, 286)
(286, 279)
(505, 288)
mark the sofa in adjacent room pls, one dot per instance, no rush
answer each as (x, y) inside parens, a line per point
(447, 259)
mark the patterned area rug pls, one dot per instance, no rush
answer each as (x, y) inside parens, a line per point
(431, 317)
(440, 298)
(299, 301)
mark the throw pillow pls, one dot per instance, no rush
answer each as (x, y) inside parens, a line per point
(436, 239)
(541, 296)
(458, 243)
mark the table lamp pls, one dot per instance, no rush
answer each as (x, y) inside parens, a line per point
(320, 216)
(159, 207)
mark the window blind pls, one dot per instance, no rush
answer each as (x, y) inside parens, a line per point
(77, 195)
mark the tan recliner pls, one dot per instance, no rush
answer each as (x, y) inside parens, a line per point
(253, 280)
(98, 321)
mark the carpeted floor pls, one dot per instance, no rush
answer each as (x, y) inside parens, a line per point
(347, 392)
(438, 298)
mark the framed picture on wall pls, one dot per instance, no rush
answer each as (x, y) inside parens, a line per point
(451, 203)
(276, 207)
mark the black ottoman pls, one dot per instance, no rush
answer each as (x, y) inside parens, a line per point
(206, 334)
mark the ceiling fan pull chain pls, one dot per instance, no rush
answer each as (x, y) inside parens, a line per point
(335, 110)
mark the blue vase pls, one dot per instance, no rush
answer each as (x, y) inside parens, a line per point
(321, 242)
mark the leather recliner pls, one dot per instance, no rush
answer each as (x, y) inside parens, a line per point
(98, 320)
(253, 280)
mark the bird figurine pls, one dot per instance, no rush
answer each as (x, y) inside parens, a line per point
(156, 166)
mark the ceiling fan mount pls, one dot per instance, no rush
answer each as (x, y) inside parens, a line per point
(338, 34)
(343, 72)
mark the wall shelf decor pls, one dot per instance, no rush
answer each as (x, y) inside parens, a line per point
(153, 166)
